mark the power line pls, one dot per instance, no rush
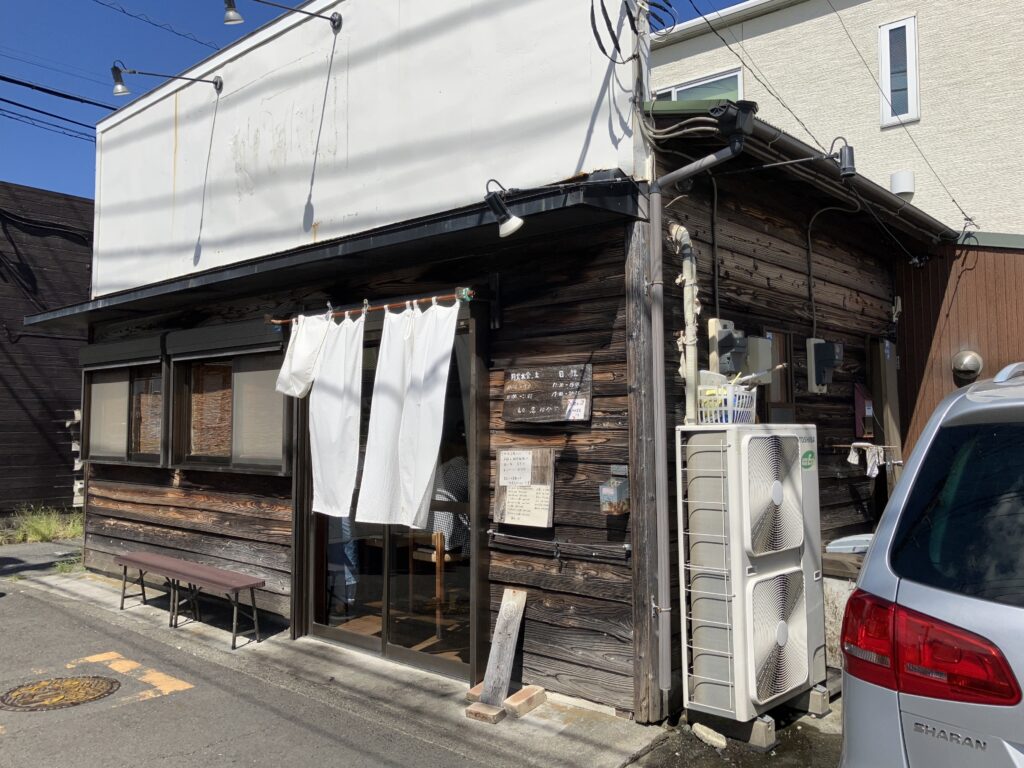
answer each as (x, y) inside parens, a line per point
(154, 23)
(41, 121)
(881, 223)
(52, 127)
(765, 85)
(52, 92)
(44, 112)
(59, 70)
(910, 136)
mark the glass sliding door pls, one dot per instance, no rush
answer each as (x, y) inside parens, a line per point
(429, 574)
(407, 593)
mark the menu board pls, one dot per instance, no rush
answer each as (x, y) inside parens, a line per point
(548, 393)
(524, 494)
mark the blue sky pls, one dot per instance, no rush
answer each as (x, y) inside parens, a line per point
(68, 45)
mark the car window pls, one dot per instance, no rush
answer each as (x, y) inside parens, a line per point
(962, 528)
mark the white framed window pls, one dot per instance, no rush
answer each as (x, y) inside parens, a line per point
(722, 85)
(897, 67)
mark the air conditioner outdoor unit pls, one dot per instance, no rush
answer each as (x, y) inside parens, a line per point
(753, 623)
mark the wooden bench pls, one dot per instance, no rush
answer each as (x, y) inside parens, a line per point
(196, 576)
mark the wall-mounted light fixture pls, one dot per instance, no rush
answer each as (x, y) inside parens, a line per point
(844, 157)
(119, 70)
(232, 16)
(967, 366)
(508, 224)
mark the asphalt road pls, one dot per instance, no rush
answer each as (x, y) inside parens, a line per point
(172, 708)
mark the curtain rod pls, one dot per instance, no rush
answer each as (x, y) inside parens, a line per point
(461, 294)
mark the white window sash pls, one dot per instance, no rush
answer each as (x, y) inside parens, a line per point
(737, 73)
(885, 97)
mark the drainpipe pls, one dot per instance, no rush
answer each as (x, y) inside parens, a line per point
(741, 118)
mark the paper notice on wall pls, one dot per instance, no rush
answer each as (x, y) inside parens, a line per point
(577, 410)
(515, 468)
(528, 505)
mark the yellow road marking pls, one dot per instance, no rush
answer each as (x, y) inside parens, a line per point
(165, 684)
(124, 666)
(161, 684)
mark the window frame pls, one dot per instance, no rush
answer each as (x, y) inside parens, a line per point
(736, 72)
(129, 458)
(181, 402)
(786, 374)
(913, 113)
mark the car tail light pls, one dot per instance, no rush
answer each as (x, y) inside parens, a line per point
(867, 639)
(912, 653)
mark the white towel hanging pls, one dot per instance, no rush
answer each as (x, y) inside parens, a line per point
(303, 354)
(335, 404)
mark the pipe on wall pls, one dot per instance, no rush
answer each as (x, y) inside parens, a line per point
(662, 602)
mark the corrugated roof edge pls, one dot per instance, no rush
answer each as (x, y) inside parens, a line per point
(792, 148)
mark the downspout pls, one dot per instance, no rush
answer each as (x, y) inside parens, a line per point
(661, 604)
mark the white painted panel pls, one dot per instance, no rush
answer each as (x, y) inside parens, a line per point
(406, 112)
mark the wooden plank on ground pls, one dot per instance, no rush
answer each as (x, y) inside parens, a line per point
(503, 648)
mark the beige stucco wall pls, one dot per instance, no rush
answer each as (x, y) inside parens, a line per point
(971, 78)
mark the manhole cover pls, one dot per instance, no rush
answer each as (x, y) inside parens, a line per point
(57, 693)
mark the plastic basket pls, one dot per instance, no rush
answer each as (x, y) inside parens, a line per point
(726, 404)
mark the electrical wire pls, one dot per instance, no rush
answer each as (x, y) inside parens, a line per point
(914, 259)
(764, 84)
(714, 240)
(810, 258)
(54, 92)
(85, 235)
(154, 23)
(44, 112)
(618, 58)
(910, 136)
(44, 124)
(52, 69)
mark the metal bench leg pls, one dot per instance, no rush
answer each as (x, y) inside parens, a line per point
(124, 584)
(255, 613)
(193, 594)
(142, 584)
(173, 619)
(234, 618)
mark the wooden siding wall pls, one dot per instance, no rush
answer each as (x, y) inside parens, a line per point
(556, 301)
(239, 522)
(578, 635)
(761, 236)
(966, 297)
(45, 261)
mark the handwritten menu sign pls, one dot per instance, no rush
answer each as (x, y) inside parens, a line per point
(526, 478)
(548, 393)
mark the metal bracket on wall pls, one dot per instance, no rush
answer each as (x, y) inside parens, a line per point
(14, 338)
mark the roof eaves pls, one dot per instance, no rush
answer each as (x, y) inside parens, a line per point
(725, 17)
(791, 148)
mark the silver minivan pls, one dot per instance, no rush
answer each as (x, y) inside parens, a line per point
(933, 637)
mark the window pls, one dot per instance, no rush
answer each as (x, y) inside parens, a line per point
(108, 414)
(962, 529)
(147, 405)
(724, 85)
(897, 66)
(126, 413)
(233, 415)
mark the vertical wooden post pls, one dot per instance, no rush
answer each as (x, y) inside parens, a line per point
(647, 700)
(302, 583)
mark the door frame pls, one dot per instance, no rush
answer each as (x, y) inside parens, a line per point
(308, 582)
